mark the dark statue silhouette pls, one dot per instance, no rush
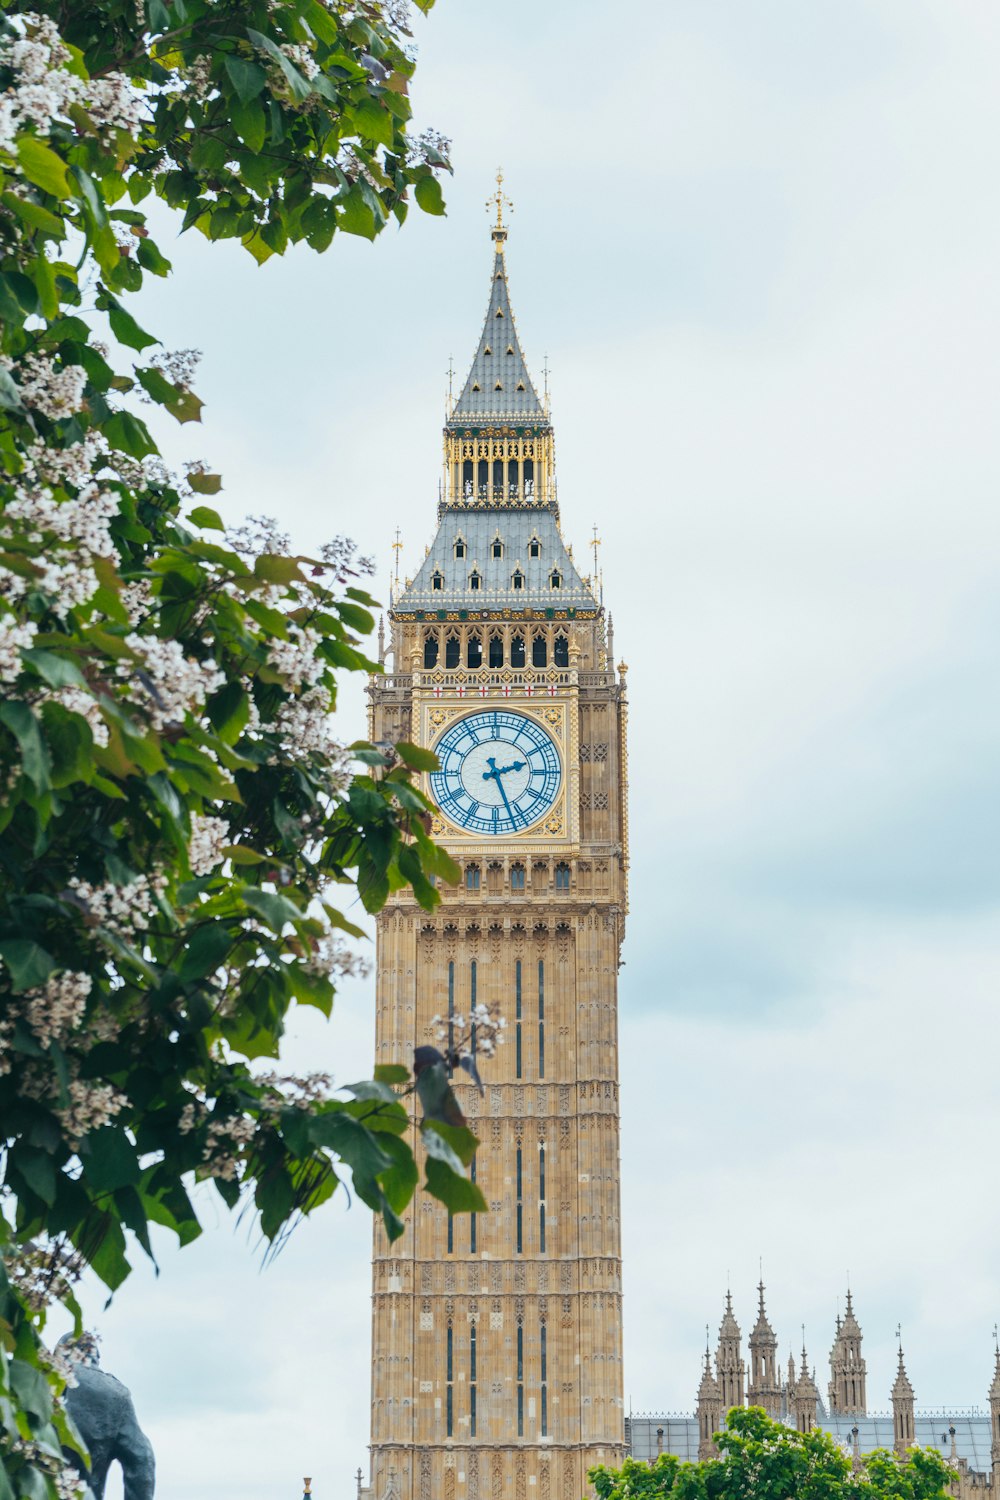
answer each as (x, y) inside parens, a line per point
(103, 1412)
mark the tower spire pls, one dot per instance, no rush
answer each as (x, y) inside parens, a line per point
(499, 201)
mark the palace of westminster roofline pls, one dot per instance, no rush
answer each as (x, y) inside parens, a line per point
(968, 1439)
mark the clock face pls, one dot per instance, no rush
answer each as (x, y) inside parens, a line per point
(499, 772)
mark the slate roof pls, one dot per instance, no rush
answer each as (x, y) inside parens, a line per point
(972, 1435)
(515, 526)
(498, 387)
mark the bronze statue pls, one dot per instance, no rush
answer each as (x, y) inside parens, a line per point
(103, 1412)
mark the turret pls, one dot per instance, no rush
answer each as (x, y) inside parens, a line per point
(995, 1420)
(848, 1372)
(765, 1388)
(806, 1399)
(729, 1367)
(710, 1410)
(902, 1409)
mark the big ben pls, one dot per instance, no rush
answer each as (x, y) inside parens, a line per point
(497, 1337)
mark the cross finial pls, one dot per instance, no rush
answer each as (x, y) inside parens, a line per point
(499, 201)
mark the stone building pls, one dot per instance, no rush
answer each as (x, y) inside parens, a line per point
(497, 1341)
(968, 1440)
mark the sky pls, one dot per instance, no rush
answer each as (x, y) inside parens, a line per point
(759, 245)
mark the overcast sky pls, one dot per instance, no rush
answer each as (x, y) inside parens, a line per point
(760, 244)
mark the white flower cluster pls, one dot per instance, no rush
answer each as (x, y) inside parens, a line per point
(209, 836)
(224, 1142)
(44, 89)
(57, 1009)
(430, 147)
(314, 1088)
(42, 1274)
(296, 658)
(122, 909)
(304, 727)
(65, 1480)
(257, 535)
(59, 1362)
(179, 365)
(54, 391)
(81, 525)
(14, 638)
(172, 684)
(484, 1024)
(91, 1105)
(300, 56)
(138, 599)
(72, 465)
(332, 959)
(190, 1116)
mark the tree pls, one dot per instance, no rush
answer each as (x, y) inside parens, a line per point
(177, 816)
(765, 1460)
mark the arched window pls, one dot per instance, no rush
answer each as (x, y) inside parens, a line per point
(518, 580)
(560, 651)
(431, 651)
(474, 652)
(472, 876)
(562, 877)
(496, 547)
(534, 547)
(517, 877)
(475, 581)
(496, 650)
(452, 652)
(517, 651)
(437, 580)
(460, 546)
(555, 579)
(539, 652)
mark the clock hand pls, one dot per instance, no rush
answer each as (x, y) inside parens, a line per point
(498, 771)
(506, 803)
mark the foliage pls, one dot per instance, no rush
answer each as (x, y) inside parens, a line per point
(176, 816)
(763, 1460)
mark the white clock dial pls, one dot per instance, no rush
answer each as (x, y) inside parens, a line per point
(500, 772)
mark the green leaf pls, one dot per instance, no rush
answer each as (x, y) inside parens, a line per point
(109, 1159)
(127, 331)
(250, 124)
(276, 569)
(35, 215)
(18, 297)
(10, 396)
(456, 1192)
(129, 435)
(300, 88)
(429, 195)
(25, 728)
(57, 671)
(206, 484)
(372, 121)
(391, 1073)
(247, 78)
(355, 216)
(28, 963)
(43, 167)
(416, 757)
(276, 910)
(229, 711)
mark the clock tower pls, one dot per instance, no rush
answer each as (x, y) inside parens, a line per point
(497, 1338)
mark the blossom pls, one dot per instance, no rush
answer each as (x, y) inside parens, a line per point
(54, 391)
(77, 700)
(224, 1141)
(179, 365)
(122, 909)
(42, 1273)
(57, 1009)
(330, 957)
(172, 684)
(91, 1106)
(209, 836)
(15, 637)
(303, 726)
(296, 658)
(257, 535)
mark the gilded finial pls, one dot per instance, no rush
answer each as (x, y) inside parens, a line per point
(499, 201)
(307, 1487)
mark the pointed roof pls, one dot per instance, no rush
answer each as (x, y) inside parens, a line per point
(850, 1327)
(806, 1387)
(728, 1328)
(902, 1390)
(498, 387)
(995, 1387)
(708, 1390)
(763, 1333)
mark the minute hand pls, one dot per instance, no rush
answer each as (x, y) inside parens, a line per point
(495, 775)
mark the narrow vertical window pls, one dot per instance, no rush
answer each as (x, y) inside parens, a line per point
(543, 1332)
(541, 1199)
(449, 1374)
(517, 1018)
(541, 1019)
(451, 1235)
(451, 1005)
(520, 1380)
(472, 1217)
(472, 1381)
(520, 1205)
